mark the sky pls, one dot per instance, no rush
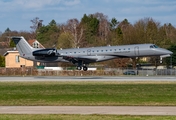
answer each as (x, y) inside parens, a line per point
(17, 14)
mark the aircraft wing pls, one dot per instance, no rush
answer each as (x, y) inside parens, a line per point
(120, 56)
(85, 59)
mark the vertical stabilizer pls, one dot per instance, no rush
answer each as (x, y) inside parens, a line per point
(22, 46)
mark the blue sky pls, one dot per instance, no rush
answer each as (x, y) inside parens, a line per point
(16, 14)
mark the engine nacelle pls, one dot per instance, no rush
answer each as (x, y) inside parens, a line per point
(45, 52)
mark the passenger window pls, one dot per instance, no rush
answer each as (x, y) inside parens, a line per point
(151, 46)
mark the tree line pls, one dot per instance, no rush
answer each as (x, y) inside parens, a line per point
(98, 30)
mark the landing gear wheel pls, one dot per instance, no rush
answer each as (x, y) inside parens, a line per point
(85, 68)
(79, 67)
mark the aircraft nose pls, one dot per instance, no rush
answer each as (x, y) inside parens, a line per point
(169, 52)
(164, 51)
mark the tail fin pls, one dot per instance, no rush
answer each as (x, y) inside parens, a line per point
(22, 46)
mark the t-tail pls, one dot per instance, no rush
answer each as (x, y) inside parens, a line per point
(23, 46)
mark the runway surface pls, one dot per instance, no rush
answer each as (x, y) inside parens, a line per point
(113, 110)
(90, 78)
(84, 110)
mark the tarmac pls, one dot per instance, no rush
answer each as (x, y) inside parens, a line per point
(89, 78)
(88, 110)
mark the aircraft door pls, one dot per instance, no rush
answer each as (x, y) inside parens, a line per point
(89, 52)
(136, 50)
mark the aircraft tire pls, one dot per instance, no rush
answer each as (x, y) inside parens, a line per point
(79, 67)
(85, 68)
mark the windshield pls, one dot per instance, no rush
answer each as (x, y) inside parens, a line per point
(153, 46)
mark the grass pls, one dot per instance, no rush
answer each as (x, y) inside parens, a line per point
(83, 117)
(87, 93)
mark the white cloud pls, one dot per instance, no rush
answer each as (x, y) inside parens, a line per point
(71, 2)
(35, 4)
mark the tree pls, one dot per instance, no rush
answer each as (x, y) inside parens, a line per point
(12, 44)
(2, 61)
(103, 28)
(64, 40)
(48, 35)
(171, 60)
(36, 25)
(147, 31)
(90, 25)
(7, 30)
(152, 31)
(116, 34)
(163, 37)
(140, 31)
(128, 32)
(113, 24)
(169, 35)
(52, 23)
(74, 28)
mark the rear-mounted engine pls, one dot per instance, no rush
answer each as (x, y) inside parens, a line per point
(45, 52)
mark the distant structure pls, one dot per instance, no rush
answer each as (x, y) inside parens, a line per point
(13, 59)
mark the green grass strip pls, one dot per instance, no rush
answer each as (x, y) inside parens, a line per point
(87, 93)
(83, 117)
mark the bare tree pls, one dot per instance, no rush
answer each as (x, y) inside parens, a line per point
(104, 26)
(170, 32)
(74, 28)
(36, 24)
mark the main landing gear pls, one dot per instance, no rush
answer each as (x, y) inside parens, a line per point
(80, 68)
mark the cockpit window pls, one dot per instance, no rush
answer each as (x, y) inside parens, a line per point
(153, 46)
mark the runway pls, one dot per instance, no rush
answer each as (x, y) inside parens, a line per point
(90, 78)
(84, 110)
(111, 110)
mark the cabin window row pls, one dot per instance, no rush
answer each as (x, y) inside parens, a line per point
(97, 51)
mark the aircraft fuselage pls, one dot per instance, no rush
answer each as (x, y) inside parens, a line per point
(102, 53)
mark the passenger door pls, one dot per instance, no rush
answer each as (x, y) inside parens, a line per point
(89, 52)
(136, 50)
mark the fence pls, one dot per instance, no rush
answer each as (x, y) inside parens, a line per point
(107, 72)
